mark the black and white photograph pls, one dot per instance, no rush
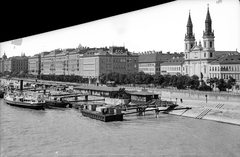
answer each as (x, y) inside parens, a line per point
(160, 79)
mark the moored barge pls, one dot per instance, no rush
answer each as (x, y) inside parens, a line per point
(102, 113)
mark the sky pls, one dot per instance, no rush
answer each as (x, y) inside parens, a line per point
(158, 28)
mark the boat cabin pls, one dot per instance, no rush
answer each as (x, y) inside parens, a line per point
(142, 97)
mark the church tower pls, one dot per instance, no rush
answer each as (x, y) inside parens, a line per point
(208, 36)
(189, 37)
(4, 56)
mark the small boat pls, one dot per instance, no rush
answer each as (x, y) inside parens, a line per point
(57, 102)
(102, 113)
(24, 100)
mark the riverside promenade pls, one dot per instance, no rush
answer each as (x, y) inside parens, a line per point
(224, 109)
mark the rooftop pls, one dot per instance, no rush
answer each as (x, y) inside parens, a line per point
(157, 57)
(174, 61)
(142, 93)
(98, 88)
(227, 59)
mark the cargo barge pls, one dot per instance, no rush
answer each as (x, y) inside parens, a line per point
(102, 113)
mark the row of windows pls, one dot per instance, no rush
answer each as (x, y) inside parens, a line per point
(225, 76)
(226, 68)
(146, 69)
(171, 68)
(205, 45)
(146, 64)
(210, 55)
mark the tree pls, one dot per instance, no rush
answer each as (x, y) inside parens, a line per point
(194, 82)
(138, 78)
(173, 80)
(222, 85)
(205, 87)
(183, 81)
(167, 79)
(231, 82)
(122, 78)
(211, 82)
(158, 79)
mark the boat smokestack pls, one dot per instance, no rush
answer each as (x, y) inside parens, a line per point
(21, 85)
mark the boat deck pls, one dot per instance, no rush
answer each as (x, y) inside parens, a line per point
(102, 117)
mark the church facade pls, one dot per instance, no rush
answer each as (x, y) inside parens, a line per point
(198, 56)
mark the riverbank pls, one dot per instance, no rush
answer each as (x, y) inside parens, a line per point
(224, 110)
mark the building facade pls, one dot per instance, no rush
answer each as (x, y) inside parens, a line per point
(225, 67)
(173, 66)
(89, 62)
(150, 62)
(101, 61)
(15, 64)
(34, 65)
(4, 57)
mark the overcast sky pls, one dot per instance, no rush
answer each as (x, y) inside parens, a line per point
(156, 28)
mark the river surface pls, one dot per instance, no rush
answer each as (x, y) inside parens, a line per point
(65, 132)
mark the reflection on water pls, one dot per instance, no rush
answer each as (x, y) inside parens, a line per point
(65, 132)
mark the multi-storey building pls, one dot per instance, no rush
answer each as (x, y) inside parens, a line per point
(150, 62)
(89, 62)
(16, 64)
(96, 62)
(173, 66)
(47, 63)
(226, 66)
(4, 57)
(34, 65)
(1, 65)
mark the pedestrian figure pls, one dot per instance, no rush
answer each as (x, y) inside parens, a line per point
(181, 100)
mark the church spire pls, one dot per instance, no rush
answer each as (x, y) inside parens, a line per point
(189, 34)
(208, 25)
(189, 24)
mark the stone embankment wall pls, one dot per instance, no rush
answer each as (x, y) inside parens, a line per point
(173, 94)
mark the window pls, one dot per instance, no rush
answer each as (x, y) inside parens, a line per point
(204, 44)
(185, 46)
(210, 54)
(210, 44)
(186, 56)
(204, 54)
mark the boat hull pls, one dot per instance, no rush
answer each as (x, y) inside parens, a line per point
(38, 106)
(101, 117)
(56, 104)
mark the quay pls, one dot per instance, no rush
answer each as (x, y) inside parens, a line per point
(196, 107)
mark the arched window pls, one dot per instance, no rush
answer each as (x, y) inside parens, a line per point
(210, 44)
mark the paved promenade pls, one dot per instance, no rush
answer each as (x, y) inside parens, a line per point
(229, 111)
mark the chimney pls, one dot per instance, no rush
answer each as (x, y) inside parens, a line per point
(21, 85)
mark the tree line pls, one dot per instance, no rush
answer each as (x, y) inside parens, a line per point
(162, 81)
(142, 79)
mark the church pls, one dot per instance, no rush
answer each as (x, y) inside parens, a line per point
(198, 56)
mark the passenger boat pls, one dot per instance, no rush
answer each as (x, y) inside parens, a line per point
(102, 113)
(25, 100)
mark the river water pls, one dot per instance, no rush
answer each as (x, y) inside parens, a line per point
(65, 132)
